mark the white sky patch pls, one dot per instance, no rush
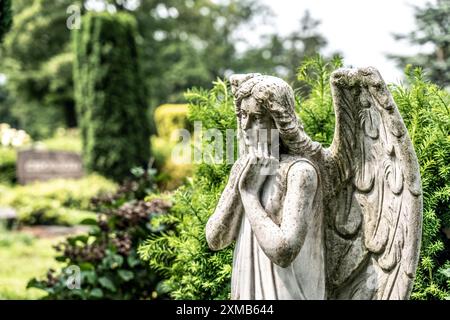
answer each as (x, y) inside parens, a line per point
(361, 30)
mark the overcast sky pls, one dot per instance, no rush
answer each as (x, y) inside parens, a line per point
(359, 29)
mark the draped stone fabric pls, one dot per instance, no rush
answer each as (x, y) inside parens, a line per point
(255, 277)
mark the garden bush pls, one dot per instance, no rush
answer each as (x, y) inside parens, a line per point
(106, 257)
(59, 201)
(426, 111)
(110, 95)
(194, 272)
(8, 159)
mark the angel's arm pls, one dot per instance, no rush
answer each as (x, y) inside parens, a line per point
(282, 243)
(223, 226)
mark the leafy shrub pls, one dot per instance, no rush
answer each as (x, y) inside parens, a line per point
(192, 270)
(426, 111)
(110, 95)
(316, 108)
(8, 160)
(60, 201)
(106, 257)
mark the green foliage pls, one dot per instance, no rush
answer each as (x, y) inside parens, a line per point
(110, 95)
(23, 257)
(63, 140)
(35, 58)
(432, 30)
(316, 109)
(182, 255)
(183, 44)
(426, 111)
(8, 159)
(61, 201)
(5, 17)
(106, 258)
(189, 43)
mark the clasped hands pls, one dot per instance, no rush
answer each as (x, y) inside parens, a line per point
(258, 165)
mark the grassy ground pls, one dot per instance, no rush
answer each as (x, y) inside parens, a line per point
(23, 257)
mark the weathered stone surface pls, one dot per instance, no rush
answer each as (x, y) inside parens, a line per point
(38, 165)
(320, 223)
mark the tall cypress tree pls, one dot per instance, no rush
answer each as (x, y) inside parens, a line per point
(5, 17)
(110, 95)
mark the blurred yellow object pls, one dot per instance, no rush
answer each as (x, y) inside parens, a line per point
(169, 117)
(173, 173)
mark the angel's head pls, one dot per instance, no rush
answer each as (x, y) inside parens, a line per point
(264, 103)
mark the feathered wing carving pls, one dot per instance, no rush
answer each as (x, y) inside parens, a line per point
(373, 207)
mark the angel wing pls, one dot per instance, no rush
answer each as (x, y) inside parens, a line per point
(373, 208)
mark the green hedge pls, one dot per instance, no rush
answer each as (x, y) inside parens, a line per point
(60, 201)
(8, 159)
(110, 95)
(426, 111)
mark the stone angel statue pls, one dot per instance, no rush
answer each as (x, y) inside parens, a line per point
(310, 222)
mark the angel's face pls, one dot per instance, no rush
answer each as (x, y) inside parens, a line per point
(256, 123)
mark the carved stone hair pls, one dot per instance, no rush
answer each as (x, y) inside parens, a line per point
(277, 97)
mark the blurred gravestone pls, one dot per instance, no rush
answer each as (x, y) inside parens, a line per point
(38, 165)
